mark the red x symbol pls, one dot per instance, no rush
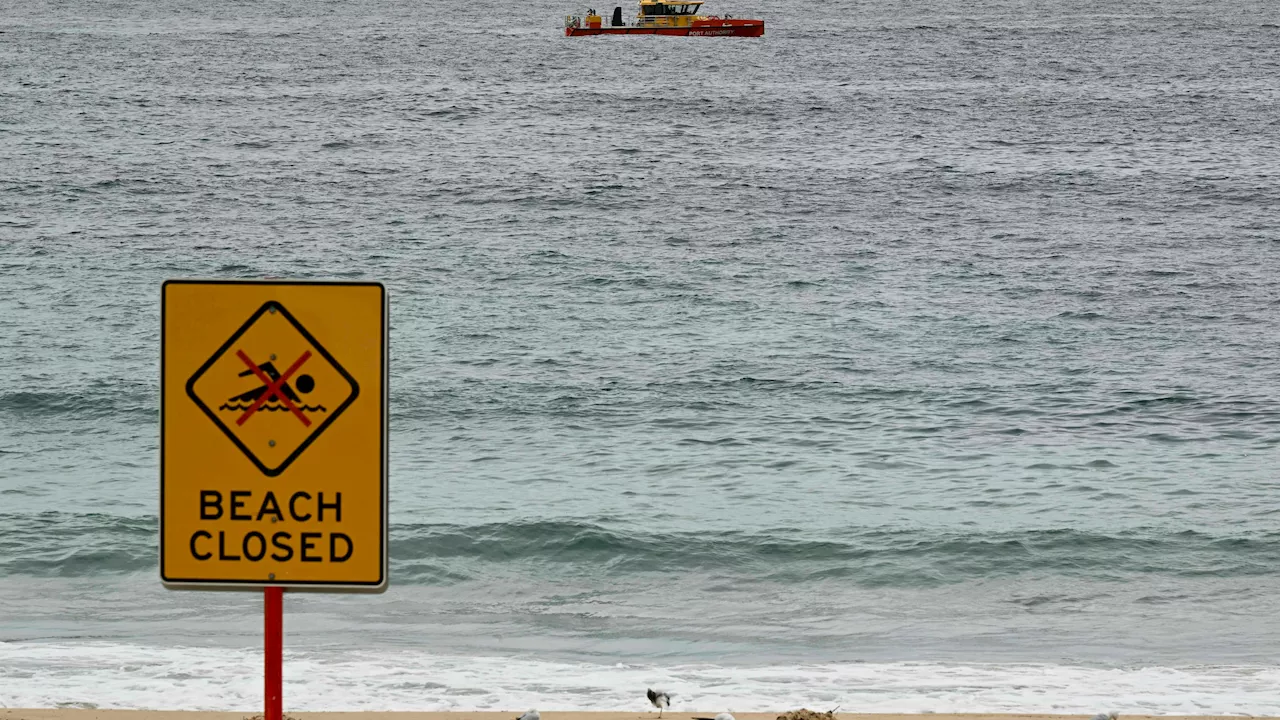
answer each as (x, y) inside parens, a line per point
(273, 389)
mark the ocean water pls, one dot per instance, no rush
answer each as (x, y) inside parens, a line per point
(917, 356)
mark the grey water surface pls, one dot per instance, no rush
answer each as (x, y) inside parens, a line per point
(928, 330)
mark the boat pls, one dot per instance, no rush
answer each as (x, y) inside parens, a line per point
(659, 17)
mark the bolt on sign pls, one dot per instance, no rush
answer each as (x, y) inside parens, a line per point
(273, 435)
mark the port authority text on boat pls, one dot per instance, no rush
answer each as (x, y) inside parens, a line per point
(300, 507)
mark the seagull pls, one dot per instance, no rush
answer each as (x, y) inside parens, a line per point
(1106, 716)
(721, 716)
(531, 715)
(660, 699)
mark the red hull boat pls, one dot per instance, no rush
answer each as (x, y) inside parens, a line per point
(707, 28)
(663, 17)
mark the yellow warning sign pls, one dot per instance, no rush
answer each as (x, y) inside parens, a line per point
(273, 435)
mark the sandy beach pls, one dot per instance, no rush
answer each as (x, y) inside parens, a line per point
(69, 714)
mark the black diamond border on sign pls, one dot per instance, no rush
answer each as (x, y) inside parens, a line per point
(191, 388)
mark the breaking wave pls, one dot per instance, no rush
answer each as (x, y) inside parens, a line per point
(72, 544)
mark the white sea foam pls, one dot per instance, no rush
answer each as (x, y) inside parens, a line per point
(131, 676)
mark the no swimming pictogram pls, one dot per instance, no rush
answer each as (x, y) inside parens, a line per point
(262, 409)
(274, 387)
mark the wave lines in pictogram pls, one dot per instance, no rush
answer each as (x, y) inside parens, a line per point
(272, 407)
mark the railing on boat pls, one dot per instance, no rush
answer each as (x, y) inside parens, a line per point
(576, 21)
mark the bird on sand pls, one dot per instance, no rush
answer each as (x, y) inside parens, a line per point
(660, 699)
(1106, 716)
(721, 716)
(531, 715)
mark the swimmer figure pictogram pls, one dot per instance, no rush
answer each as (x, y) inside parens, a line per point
(242, 402)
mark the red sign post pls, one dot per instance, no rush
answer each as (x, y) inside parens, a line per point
(273, 600)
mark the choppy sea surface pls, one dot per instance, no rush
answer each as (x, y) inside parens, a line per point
(917, 356)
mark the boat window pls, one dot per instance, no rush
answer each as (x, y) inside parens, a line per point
(668, 9)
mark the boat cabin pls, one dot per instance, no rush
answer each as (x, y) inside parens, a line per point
(668, 14)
